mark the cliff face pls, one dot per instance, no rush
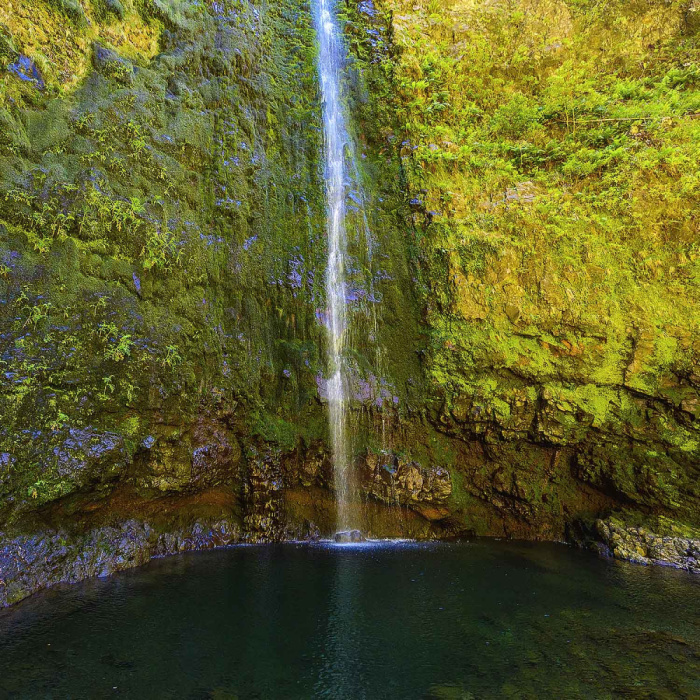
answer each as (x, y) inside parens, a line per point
(526, 327)
(160, 208)
(552, 149)
(163, 248)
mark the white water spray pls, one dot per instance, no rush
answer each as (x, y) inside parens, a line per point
(337, 148)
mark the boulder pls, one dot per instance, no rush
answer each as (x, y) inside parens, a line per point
(349, 536)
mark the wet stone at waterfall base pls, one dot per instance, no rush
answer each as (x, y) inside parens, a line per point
(349, 536)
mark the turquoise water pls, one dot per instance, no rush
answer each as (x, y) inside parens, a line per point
(471, 620)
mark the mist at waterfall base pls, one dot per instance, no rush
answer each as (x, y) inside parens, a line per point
(472, 620)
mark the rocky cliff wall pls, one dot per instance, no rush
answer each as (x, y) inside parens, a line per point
(526, 327)
(551, 153)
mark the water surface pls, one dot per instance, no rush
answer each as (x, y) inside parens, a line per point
(473, 620)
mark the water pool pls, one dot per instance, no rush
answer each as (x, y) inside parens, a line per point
(484, 619)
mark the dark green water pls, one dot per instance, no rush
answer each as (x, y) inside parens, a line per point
(479, 620)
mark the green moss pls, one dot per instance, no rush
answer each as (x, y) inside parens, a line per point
(531, 187)
(103, 8)
(146, 248)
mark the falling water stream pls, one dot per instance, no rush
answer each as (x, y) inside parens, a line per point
(337, 149)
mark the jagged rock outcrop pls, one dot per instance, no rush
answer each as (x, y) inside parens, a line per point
(395, 481)
(638, 544)
(263, 496)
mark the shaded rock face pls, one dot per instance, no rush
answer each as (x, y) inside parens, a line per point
(263, 496)
(184, 459)
(308, 467)
(642, 546)
(76, 460)
(164, 300)
(216, 453)
(88, 458)
(395, 481)
(29, 564)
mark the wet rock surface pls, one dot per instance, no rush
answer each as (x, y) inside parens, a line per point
(349, 537)
(395, 480)
(676, 548)
(29, 564)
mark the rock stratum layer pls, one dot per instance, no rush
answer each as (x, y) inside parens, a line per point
(526, 334)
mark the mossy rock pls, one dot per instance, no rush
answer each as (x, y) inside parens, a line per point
(72, 9)
(8, 50)
(111, 65)
(103, 8)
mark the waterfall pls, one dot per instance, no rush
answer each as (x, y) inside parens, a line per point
(338, 147)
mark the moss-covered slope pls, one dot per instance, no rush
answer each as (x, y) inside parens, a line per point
(524, 317)
(552, 152)
(159, 228)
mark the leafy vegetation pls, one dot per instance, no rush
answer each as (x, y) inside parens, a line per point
(556, 144)
(551, 151)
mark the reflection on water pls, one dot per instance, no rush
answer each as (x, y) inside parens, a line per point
(341, 674)
(479, 620)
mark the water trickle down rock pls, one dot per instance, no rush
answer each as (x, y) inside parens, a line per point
(344, 296)
(336, 145)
